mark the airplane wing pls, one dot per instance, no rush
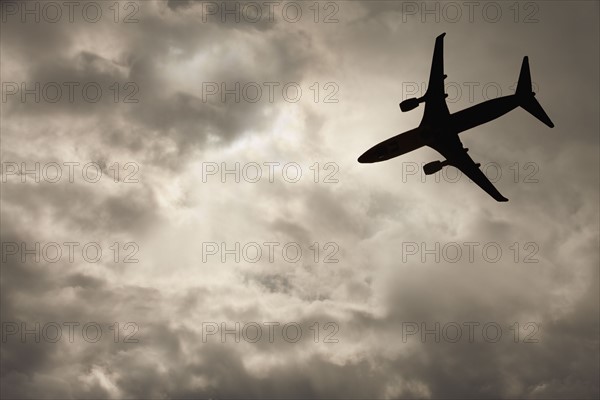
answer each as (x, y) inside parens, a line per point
(452, 149)
(435, 97)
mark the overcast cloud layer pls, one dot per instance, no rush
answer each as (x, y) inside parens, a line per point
(377, 221)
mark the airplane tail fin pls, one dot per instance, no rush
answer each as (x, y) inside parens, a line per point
(526, 95)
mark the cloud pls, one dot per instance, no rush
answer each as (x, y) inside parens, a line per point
(376, 241)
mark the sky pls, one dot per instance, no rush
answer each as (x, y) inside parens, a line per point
(183, 214)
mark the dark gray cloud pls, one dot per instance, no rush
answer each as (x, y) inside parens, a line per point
(369, 216)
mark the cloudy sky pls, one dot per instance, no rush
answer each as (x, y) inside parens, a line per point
(183, 215)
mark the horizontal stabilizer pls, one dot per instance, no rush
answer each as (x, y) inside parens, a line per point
(534, 108)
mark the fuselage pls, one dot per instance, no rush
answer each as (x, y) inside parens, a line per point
(433, 129)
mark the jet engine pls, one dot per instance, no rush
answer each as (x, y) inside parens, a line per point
(410, 104)
(433, 167)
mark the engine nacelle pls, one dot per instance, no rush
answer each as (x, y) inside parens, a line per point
(433, 167)
(409, 104)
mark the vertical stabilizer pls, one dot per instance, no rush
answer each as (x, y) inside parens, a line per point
(526, 96)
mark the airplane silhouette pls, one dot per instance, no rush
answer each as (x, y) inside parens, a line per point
(439, 129)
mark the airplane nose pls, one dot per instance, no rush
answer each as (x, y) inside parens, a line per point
(364, 159)
(370, 156)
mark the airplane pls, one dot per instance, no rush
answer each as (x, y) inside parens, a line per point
(439, 129)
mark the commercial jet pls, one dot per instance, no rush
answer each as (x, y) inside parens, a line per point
(439, 129)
